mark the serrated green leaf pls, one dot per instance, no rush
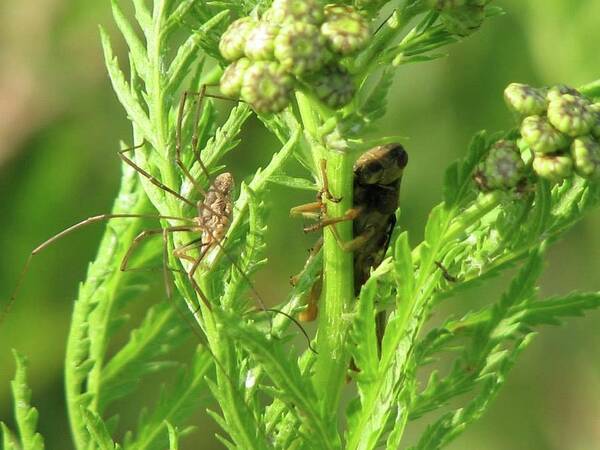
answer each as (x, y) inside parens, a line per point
(160, 332)
(435, 224)
(215, 416)
(294, 183)
(284, 372)
(188, 53)
(395, 437)
(364, 335)
(542, 211)
(279, 411)
(137, 49)
(143, 16)
(123, 91)
(173, 436)
(174, 405)
(403, 271)
(489, 332)
(179, 13)
(8, 441)
(450, 425)
(458, 180)
(97, 429)
(523, 287)
(381, 396)
(549, 312)
(25, 414)
(225, 442)
(405, 59)
(374, 105)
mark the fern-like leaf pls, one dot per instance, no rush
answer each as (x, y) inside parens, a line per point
(174, 406)
(458, 180)
(552, 310)
(284, 372)
(25, 414)
(159, 333)
(98, 430)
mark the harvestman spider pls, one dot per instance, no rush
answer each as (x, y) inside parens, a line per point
(212, 220)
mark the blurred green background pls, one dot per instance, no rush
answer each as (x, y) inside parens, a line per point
(59, 130)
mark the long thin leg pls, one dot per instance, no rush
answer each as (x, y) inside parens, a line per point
(312, 252)
(180, 252)
(165, 255)
(351, 214)
(198, 260)
(309, 210)
(149, 177)
(348, 246)
(144, 235)
(312, 301)
(195, 136)
(449, 277)
(65, 232)
(196, 122)
(324, 191)
(178, 146)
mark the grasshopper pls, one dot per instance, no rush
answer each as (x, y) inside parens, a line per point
(377, 177)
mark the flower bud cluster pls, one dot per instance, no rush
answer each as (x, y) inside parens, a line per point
(295, 41)
(559, 130)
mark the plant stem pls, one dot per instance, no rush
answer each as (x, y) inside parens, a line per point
(338, 285)
(391, 29)
(338, 268)
(591, 89)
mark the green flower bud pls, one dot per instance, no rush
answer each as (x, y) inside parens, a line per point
(572, 115)
(559, 90)
(233, 77)
(267, 87)
(346, 30)
(305, 11)
(541, 136)
(300, 48)
(596, 128)
(503, 167)
(234, 39)
(586, 156)
(554, 167)
(260, 45)
(525, 99)
(333, 86)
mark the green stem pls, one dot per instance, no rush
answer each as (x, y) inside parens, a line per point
(338, 268)
(338, 286)
(591, 89)
(389, 31)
